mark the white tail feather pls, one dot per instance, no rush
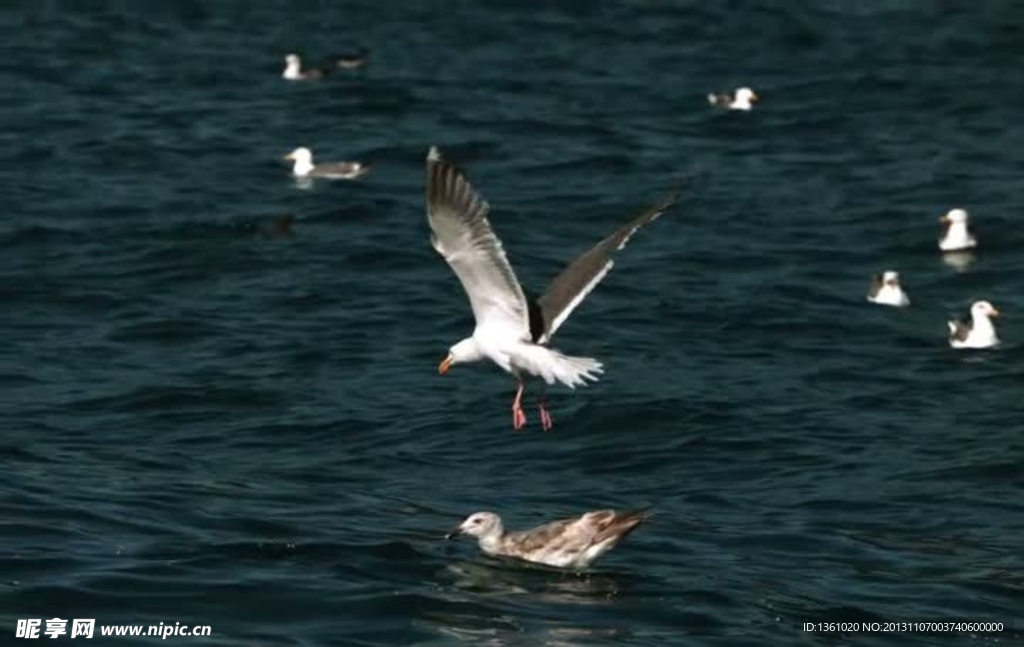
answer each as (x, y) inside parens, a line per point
(552, 366)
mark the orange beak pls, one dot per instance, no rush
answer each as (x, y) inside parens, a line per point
(994, 313)
(443, 367)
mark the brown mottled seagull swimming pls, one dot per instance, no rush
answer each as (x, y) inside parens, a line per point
(511, 331)
(566, 543)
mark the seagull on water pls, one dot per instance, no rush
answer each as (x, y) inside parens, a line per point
(976, 332)
(303, 167)
(511, 331)
(566, 543)
(293, 70)
(886, 290)
(958, 234)
(744, 99)
(293, 65)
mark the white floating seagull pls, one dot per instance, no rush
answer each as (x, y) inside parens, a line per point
(303, 167)
(886, 290)
(567, 543)
(744, 99)
(512, 331)
(958, 234)
(976, 332)
(293, 70)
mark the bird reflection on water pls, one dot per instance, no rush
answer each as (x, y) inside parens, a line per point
(547, 636)
(500, 581)
(504, 576)
(959, 261)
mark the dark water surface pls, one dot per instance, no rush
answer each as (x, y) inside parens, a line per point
(207, 423)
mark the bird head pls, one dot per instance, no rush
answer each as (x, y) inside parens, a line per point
(891, 278)
(302, 155)
(461, 353)
(746, 95)
(954, 216)
(983, 309)
(478, 524)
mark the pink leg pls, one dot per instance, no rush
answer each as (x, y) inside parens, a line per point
(545, 415)
(518, 417)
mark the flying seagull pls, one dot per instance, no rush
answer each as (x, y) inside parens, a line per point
(566, 543)
(511, 331)
(303, 167)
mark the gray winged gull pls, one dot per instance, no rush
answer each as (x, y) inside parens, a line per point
(352, 60)
(566, 543)
(958, 235)
(886, 290)
(303, 167)
(511, 331)
(978, 331)
(744, 99)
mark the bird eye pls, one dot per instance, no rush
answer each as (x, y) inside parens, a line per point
(477, 520)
